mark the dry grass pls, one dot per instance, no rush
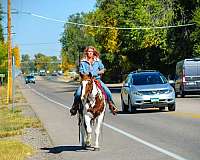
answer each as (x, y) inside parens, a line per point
(13, 123)
(14, 150)
(18, 97)
(3, 92)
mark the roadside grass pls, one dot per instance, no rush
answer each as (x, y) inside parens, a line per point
(3, 92)
(12, 124)
(19, 98)
(14, 150)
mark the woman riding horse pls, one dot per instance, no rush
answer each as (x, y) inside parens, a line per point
(91, 64)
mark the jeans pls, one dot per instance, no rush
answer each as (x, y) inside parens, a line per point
(77, 94)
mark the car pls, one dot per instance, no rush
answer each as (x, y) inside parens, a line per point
(187, 80)
(54, 74)
(147, 89)
(30, 79)
(73, 74)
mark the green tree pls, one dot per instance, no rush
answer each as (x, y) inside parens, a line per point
(25, 63)
(126, 50)
(1, 28)
(3, 58)
(196, 34)
(74, 39)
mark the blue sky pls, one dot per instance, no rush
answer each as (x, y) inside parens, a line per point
(33, 34)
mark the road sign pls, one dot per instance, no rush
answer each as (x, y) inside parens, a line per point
(2, 75)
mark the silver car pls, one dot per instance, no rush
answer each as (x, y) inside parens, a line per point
(147, 89)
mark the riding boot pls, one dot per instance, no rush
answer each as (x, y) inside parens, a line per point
(112, 107)
(74, 107)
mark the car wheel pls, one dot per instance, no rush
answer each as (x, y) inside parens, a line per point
(172, 107)
(176, 96)
(124, 106)
(131, 108)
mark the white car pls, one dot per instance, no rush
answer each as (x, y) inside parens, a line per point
(147, 89)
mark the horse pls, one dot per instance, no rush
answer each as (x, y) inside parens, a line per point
(91, 112)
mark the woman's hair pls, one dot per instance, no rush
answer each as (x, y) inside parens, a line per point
(95, 52)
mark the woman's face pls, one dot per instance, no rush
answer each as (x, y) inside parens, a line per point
(90, 53)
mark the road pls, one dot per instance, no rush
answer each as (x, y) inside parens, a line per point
(147, 135)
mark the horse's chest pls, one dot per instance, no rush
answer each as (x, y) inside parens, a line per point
(96, 108)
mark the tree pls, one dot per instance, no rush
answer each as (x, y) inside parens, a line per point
(16, 54)
(196, 34)
(25, 63)
(127, 50)
(3, 58)
(1, 28)
(74, 39)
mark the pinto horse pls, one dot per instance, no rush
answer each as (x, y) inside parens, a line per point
(91, 112)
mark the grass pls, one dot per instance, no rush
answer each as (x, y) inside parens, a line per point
(3, 92)
(18, 97)
(14, 150)
(13, 123)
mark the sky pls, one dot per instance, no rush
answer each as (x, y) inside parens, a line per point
(37, 35)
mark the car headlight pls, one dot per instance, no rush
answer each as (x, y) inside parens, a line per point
(169, 91)
(137, 93)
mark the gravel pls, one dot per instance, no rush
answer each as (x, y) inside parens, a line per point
(38, 138)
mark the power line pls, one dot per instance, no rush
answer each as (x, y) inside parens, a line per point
(103, 27)
(41, 43)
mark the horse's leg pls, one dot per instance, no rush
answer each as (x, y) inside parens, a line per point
(82, 131)
(97, 131)
(89, 130)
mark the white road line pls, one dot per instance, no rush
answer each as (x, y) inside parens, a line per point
(146, 143)
(173, 155)
(51, 100)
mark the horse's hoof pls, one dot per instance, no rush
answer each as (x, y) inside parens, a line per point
(88, 145)
(96, 149)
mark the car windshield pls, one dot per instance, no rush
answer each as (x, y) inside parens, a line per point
(29, 77)
(148, 79)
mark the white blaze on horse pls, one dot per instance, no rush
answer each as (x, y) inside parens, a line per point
(91, 112)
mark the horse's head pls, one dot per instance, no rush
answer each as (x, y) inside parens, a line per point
(87, 86)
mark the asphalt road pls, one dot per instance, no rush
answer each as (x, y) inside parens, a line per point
(147, 135)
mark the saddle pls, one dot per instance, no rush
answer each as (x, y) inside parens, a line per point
(101, 88)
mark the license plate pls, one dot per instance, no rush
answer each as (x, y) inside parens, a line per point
(191, 83)
(154, 99)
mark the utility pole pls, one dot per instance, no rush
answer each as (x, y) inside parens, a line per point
(9, 89)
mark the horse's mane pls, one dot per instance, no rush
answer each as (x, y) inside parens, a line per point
(85, 77)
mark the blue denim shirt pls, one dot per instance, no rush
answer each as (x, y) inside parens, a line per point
(94, 68)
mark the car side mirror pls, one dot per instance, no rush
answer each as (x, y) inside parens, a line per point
(171, 81)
